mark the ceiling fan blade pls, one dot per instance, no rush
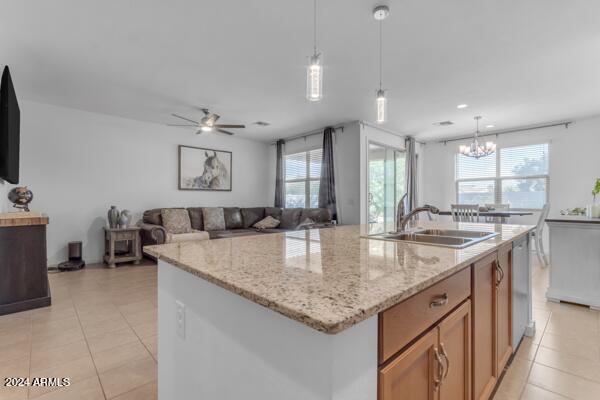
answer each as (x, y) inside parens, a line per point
(225, 132)
(205, 111)
(184, 118)
(181, 125)
(229, 126)
(199, 132)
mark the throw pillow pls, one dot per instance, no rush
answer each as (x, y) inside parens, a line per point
(176, 220)
(214, 219)
(267, 223)
(308, 222)
(290, 218)
(252, 215)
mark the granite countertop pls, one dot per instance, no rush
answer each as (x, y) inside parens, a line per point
(328, 279)
(573, 218)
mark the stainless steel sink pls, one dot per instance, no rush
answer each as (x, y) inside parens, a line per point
(457, 233)
(457, 239)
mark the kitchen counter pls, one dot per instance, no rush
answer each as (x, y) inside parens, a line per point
(329, 279)
(574, 255)
(299, 315)
(581, 219)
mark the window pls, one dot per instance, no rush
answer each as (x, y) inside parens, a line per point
(302, 178)
(513, 175)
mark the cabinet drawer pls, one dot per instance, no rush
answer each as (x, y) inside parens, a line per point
(403, 322)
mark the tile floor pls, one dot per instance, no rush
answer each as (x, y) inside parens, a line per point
(562, 361)
(101, 332)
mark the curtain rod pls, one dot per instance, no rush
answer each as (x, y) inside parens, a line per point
(512, 130)
(312, 133)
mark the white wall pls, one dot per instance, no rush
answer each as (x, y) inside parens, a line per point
(574, 165)
(78, 164)
(346, 155)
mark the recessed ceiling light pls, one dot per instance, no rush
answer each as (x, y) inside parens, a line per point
(462, 106)
(490, 126)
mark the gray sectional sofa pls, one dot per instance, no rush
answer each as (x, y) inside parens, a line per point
(238, 221)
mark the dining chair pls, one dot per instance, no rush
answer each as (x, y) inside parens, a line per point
(465, 212)
(496, 207)
(538, 236)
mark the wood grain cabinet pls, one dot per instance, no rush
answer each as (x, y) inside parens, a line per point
(504, 307)
(435, 367)
(483, 296)
(492, 320)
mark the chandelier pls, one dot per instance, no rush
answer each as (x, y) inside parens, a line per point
(475, 149)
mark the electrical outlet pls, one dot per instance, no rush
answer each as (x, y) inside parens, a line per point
(180, 318)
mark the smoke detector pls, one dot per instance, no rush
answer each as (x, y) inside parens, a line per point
(381, 12)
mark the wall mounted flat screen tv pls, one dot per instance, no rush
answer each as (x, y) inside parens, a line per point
(10, 119)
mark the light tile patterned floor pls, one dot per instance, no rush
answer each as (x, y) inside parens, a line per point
(562, 361)
(101, 332)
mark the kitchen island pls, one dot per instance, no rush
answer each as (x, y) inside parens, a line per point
(342, 316)
(574, 254)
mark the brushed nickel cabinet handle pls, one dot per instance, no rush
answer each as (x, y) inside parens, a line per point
(447, 367)
(437, 380)
(500, 272)
(439, 301)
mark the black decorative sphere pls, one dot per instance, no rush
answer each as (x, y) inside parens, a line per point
(20, 197)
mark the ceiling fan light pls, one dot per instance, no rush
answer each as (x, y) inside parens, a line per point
(206, 128)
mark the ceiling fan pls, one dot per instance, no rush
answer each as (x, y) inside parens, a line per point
(208, 123)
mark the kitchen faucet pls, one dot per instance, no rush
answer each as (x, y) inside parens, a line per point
(402, 218)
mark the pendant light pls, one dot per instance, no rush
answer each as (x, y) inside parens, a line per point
(314, 71)
(380, 13)
(475, 149)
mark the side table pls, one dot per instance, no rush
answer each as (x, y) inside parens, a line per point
(134, 248)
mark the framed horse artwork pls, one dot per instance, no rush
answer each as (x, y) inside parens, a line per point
(204, 169)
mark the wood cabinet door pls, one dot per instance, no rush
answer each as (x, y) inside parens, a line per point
(455, 348)
(504, 307)
(483, 300)
(412, 375)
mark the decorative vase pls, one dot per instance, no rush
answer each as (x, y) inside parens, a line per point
(113, 217)
(124, 219)
(20, 197)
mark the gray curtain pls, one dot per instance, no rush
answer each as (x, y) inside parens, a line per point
(279, 184)
(411, 174)
(327, 186)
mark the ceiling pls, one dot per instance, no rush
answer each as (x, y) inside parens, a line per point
(515, 62)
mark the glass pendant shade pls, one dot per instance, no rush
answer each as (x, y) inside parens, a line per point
(381, 102)
(314, 78)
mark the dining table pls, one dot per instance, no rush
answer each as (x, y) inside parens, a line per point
(504, 215)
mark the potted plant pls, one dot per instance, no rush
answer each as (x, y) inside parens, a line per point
(595, 207)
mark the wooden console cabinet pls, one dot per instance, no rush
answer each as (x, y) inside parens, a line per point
(23, 263)
(453, 340)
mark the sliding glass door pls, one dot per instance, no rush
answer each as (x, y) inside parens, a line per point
(386, 185)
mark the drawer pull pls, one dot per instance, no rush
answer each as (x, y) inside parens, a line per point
(439, 301)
